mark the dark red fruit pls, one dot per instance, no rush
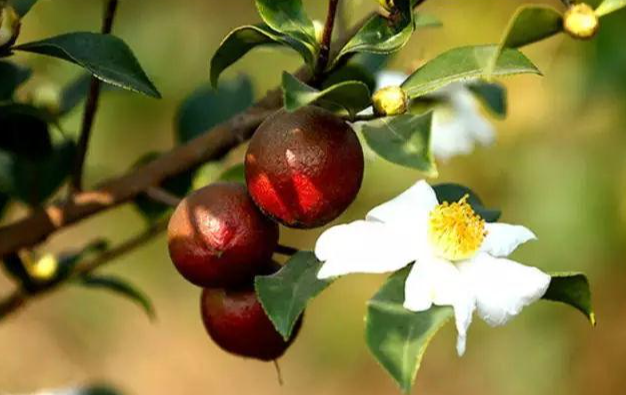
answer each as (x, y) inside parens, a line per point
(304, 168)
(217, 236)
(236, 321)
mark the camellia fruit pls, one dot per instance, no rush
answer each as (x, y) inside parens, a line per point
(217, 236)
(236, 321)
(304, 168)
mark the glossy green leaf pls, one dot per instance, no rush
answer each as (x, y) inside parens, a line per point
(351, 72)
(105, 56)
(22, 7)
(121, 287)
(397, 337)
(451, 193)
(532, 23)
(207, 107)
(33, 180)
(288, 17)
(609, 6)
(403, 140)
(529, 24)
(236, 173)
(380, 35)
(354, 96)
(178, 186)
(492, 95)
(285, 294)
(572, 289)
(11, 77)
(24, 131)
(465, 63)
(245, 38)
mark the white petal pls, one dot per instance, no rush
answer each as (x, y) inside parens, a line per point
(363, 247)
(503, 239)
(412, 205)
(502, 287)
(390, 78)
(439, 282)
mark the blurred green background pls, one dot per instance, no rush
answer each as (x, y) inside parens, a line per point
(558, 167)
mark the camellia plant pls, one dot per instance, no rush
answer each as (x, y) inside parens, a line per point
(304, 165)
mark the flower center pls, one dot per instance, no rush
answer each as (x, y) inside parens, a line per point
(455, 231)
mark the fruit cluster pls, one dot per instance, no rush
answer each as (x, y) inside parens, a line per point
(303, 169)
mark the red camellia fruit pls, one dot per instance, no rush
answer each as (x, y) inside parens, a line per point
(217, 236)
(304, 168)
(236, 321)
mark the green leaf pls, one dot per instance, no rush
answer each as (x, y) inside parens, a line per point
(398, 337)
(572, 289)
(206, 107)
(22, 6)
(24, 131)
(177, 186)
(105, 56)
(288, 17)
(354, 96)
(529, 24)
(609, 6)
(403, 140)
(451, 193)
(122, 288)
(532, 23)
(236, 173)
(285, 294)
(245, 38)
(492, 95)
(351, 72)
(11, 77)
(465, 63)
(380, 35)
(33, 180)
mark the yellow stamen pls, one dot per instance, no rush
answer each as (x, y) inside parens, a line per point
(455, 231)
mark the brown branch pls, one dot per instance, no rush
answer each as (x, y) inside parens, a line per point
(20, 298)
(324, 55)
(212, 145)
(91, 108)
(285, 250)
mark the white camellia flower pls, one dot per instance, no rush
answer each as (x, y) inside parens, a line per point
(458, 258)
(458, 123)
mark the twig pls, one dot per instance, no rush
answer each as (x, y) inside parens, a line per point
(160, 195)
(363, 117)
(91, 107)
(19, 298)
(285, 250)
(324, 54)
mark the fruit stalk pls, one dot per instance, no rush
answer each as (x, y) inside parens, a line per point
(91, 108)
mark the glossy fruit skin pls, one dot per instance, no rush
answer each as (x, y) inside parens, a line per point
(304, 168)
(237, 323)
(217, 236)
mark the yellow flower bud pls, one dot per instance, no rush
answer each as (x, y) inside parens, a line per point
(580, 21)
(44, 269)
(391, 100)
(9, 26)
